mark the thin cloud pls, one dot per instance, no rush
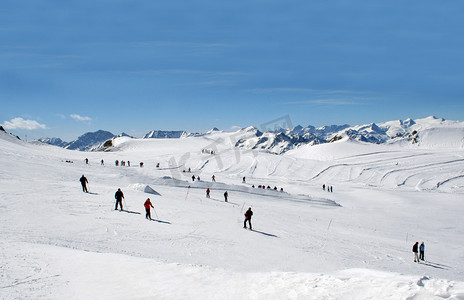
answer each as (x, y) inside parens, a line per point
(20, 123)
(327, 102)
(303, 90)
(80, 118)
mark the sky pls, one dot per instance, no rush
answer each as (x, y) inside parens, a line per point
(70, 67)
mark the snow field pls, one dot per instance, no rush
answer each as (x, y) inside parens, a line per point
(354, 243)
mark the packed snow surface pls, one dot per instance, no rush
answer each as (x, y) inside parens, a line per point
(353, 243)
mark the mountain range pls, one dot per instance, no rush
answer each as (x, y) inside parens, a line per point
(282, 140)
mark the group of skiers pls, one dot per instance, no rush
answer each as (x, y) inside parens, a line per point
(419, 252)
(264, 187)
(119, 196)
(226, 195)
(329, 188)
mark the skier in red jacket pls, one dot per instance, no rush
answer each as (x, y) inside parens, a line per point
(147, 205)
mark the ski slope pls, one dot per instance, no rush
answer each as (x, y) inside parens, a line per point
(354, 243)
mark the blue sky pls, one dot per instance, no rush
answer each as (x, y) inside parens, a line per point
(69, 67)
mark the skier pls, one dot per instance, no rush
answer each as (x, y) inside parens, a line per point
(323, 187)
(102, 162)
(147, 205)
(86, 161)
(116, 162)
(193, 177)
(248, 215)
(244, 181)
(421, 251)
(128, 163)
(118, 196)
(141, 164)
(84, 182)
(158, 165)
(331, 189)
(226, 195)
(213, 178)
(414, 249)
(207, 193)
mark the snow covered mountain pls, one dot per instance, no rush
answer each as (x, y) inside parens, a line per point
(54, 141)
(427, 132)
(83, 142)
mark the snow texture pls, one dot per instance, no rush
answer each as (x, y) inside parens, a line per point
(354, 243)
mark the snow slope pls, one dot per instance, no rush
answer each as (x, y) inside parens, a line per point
(354, 243)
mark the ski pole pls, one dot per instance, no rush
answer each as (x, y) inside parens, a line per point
(155, 213)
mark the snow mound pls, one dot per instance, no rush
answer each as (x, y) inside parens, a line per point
(143, 188)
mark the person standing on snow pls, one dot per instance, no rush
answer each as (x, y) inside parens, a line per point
(213, 178)
(414, 249)
(421, 251)
(207, 193)
(84, 182)
(248, 215)
(147, 205)
(226, 195)
(118, 196)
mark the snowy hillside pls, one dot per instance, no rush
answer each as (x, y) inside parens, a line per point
(353, 243)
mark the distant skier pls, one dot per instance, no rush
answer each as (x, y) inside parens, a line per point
(86, 161)
(118, 196)
(421, 251)
(207, 193)
(147, 205)
(102, 162)
(244, 179)
(323, 187)
(128, 163)
(213, 178)
(84, 182)
(198, 178)
(226, 195)
(248, 215)
(158, 165)
(116, 162)
(415, 250)
(331, 189)
(193, 177)
(141, 164)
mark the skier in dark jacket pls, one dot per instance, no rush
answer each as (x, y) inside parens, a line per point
(118, 196)
(84, 182)
(415, 250)
(248, 215)
(226, 195)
